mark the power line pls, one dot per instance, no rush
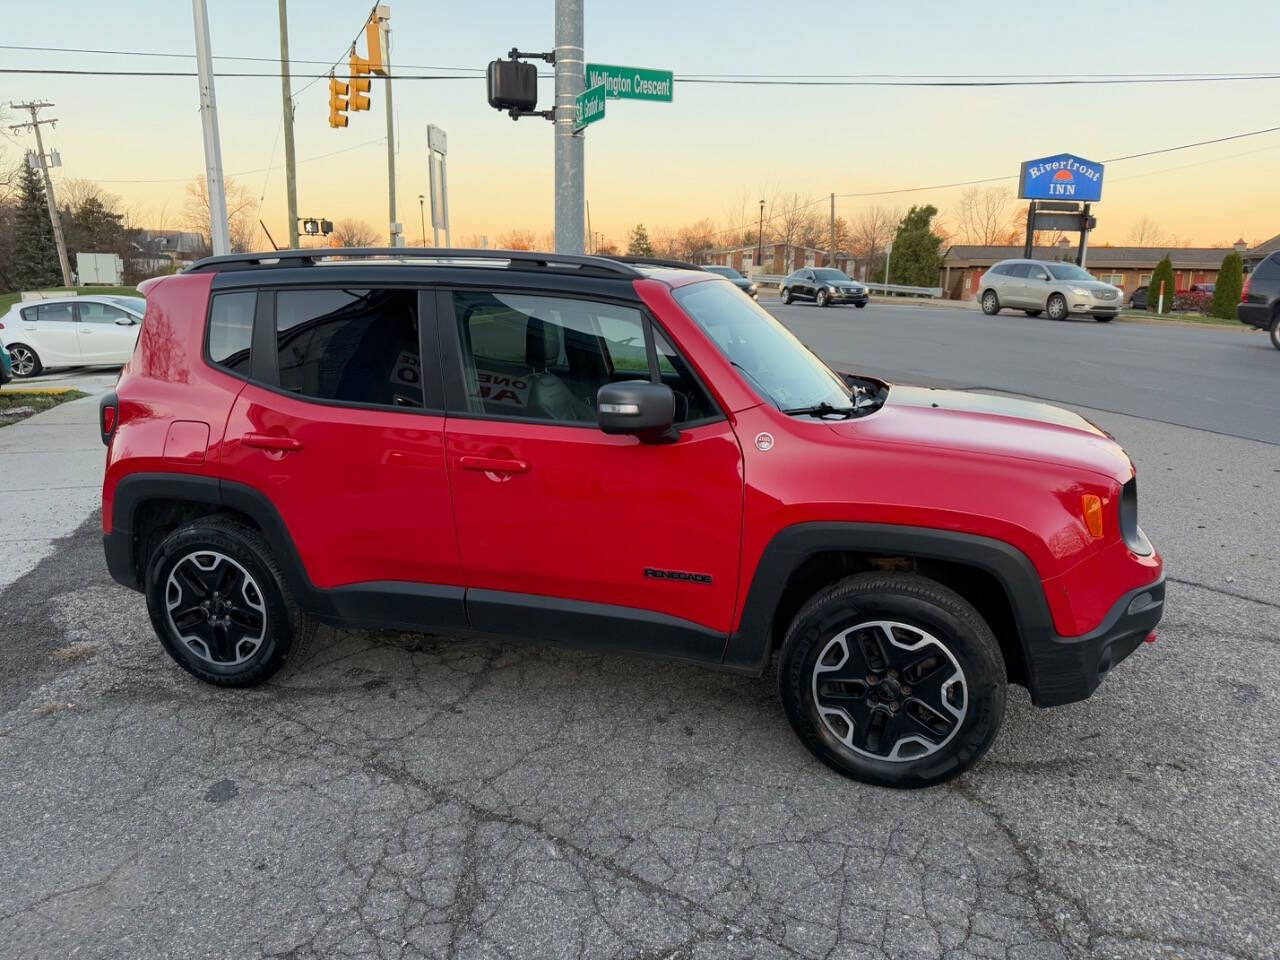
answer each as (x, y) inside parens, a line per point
(191, 56)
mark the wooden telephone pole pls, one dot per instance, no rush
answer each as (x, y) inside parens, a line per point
(34, 107)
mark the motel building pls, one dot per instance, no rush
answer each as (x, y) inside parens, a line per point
(1126, 267)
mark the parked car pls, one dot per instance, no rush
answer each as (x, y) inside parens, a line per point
(71, 332)
(617, 456)
(1260, 303)
(823, 285)
(1204, 288)
(6, 366)
(734, 277)
(1056, 288)
(1138, 299)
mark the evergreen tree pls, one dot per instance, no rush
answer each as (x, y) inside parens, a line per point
(1230, 285)
(916, 257)
(638, 244)
(1164, 271)
(35, 255)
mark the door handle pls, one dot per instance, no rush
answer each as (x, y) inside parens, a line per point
(493, 465)
(270, 441)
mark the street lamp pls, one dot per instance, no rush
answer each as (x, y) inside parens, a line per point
(760, 240)
(422, 215)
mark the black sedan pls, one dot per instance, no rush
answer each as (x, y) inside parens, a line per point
(823, 285)
(734, 277)
(1138, 299)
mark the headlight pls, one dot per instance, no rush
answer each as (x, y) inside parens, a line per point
(1082, 292)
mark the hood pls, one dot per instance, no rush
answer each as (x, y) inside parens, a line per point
(962, 422)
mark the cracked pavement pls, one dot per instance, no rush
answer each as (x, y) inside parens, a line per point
(401, 796)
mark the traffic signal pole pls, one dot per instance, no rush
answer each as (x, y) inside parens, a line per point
(219, 235)
(570, 81)
(383, 15)
(290, 174)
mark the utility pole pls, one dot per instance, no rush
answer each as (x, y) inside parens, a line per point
(383, 13)
(570, 81)
(422, 216)
(888, 252)
(760, 241)
(290, 173)
(34, 107)
(218, 234)
(832, 261)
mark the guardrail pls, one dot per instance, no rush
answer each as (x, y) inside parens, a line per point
(886, 289)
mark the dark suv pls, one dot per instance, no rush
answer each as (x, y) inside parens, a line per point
(1260, 302)
(619, 456)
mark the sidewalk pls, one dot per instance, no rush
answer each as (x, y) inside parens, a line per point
(51, 465)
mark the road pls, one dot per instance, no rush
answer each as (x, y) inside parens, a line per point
(404, 796)
(1220, 379)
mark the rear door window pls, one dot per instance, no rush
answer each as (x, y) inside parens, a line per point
(56, 312)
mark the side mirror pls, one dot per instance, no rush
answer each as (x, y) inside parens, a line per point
(639, 408)
(126, 322)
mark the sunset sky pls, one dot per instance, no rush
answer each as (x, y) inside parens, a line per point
(716, 148)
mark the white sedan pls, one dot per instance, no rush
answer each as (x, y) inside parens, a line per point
(71, 332)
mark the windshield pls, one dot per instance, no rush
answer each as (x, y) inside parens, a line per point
(729, 272)
(136, 304)
(778, 365)
(1068, 271)
(828, 274)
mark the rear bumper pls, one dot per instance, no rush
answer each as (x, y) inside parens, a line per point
(1066, 669)
(1254, 314)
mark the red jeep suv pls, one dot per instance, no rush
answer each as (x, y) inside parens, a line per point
(615, 455)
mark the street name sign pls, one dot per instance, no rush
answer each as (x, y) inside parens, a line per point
(631, 83)
(588, 107)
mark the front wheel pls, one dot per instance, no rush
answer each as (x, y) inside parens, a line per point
(990, 303)
(785, 294)
(24, 361)
(220, 604)
(1057, 307)
(822, 298)
(892, 679)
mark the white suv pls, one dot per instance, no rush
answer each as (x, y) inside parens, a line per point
(71, 332)
(1056, 288)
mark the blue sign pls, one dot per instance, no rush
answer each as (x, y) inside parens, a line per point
(1062, 177)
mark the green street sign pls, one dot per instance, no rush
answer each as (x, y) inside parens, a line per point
(631, 83)
(588, 107)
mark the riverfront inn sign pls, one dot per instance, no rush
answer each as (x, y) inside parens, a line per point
(1061, 177)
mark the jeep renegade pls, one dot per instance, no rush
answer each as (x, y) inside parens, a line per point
(616, 455)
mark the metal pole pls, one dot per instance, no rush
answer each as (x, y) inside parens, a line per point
(444, 195)
(1028, 247)
(570, 81)
(219, 236)
(290, 173)
(422, 215)
(1084, 237)
(391, 134)
(219, 233)
(760, 241)
(832, 261)
(888, 252)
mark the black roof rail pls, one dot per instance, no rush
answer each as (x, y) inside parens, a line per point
(516, 259)
(657, 262)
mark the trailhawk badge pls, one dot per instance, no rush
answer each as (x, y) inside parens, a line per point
(764, 442)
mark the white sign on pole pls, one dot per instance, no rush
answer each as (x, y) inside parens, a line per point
(438, 153)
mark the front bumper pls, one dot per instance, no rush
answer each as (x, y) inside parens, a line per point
(1066, 669)
(840, 297)
(1255, 315)
(1097, 308)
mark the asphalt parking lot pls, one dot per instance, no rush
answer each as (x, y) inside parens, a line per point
(417, 796)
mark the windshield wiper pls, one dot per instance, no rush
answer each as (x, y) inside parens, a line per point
(822, 409)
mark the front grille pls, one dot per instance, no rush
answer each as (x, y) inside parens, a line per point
(1106, 294)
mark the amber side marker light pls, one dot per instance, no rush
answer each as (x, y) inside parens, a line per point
(1092, 505)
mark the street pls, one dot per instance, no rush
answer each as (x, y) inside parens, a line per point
(402, 795)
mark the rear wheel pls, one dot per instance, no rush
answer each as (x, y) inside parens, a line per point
(893, 680)
(821, 298)
(990, 303)
(785, 294)
(1275, 331)
(220, 604)
(1032, 313)
(24, 360)
(1057, 307)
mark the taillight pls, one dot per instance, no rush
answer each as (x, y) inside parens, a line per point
(108, 417)
(1244, 294)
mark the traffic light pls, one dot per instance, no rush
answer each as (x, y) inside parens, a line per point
(373, 40)
(359, 83)
(337, 105)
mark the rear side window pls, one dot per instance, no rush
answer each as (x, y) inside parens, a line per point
(1268, 269)
(60, 312)
(350, 346)
(231, 330)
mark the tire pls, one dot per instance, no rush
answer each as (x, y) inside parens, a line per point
(821, 299)
(1057, 306)
(990, 303)
(785, 294)
(25, 361)
(843, 628)
(261, 628)
(1275, 331)
(1032, 313)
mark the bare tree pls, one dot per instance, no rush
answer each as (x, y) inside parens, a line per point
(517, 240)
(872, 231)
(987, 217)
(793, 219)
(665, 243)
(241, 226)
(353, 232)
(75, 192)
(696, 239)
(1147, 233)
